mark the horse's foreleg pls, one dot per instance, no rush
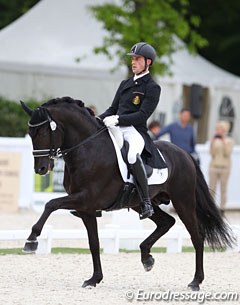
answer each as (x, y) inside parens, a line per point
(67, 202)
(32, 243)
(164, 222)
(90, 223)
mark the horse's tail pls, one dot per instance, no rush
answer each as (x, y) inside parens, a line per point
(217, 232)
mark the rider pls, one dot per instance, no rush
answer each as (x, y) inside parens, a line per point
(134, 102)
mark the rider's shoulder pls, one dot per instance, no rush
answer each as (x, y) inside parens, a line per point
(153, 84)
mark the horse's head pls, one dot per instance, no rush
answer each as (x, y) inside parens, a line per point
(46, 137)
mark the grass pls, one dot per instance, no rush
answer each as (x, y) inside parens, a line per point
(71, 251)
(18, 251)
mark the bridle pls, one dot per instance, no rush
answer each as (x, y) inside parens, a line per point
(51, 152)
(56, 153)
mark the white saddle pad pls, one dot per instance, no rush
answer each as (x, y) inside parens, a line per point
(158, 176)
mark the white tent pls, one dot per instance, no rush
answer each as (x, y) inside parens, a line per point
(48, 52)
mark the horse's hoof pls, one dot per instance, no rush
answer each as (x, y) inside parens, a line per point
(194, 287)
(92, 282)
(30, 246)
(88, 284)
(148, 263)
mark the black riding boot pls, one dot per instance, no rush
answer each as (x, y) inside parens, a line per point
(140, 177)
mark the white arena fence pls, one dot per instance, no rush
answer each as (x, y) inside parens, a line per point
(110, 237)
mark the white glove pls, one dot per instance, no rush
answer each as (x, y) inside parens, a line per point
(111, 121)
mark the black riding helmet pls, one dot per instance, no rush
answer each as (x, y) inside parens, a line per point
(143, 49)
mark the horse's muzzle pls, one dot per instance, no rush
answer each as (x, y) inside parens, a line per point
(43, 169)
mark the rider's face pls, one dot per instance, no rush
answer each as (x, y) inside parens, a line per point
(138, 64)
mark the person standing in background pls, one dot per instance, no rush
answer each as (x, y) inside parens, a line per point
(93, 108)
(181, 133)
(221, 147)
(153, 129)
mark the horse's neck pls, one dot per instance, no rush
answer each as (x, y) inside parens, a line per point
(78, 129)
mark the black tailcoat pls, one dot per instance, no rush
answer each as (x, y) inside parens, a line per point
(134, 102)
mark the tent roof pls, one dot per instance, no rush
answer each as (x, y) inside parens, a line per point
(54, 33)
(188, 69)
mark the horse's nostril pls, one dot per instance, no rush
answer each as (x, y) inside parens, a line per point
(43, 170)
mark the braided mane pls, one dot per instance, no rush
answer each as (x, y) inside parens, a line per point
(69, 100)
(41, 113)
(65, 99)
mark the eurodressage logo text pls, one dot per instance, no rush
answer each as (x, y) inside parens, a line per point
(197, 296)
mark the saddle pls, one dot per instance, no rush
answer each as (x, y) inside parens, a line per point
(129, 189)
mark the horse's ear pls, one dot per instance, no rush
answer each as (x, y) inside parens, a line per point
(26, 108)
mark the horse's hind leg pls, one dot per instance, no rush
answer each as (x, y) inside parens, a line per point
(164, 222)
(90, 223)
(187, 214)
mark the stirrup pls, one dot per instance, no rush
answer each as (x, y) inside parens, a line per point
(146, 211)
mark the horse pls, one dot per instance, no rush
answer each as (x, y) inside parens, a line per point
(65, 127)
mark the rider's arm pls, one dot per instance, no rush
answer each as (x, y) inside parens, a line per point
(164, 130)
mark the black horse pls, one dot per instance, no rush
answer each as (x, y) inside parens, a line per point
(92, 181)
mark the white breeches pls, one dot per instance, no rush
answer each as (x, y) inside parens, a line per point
(133, 137)
(135, 140)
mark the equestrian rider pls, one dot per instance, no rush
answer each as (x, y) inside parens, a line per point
(134, 102)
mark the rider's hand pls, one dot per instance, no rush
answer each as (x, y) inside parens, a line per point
(111, 121)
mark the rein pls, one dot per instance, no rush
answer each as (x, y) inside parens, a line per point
(54, 153)
(99, 131)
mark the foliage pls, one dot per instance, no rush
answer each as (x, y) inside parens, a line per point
(220, 25)
(12, 9)
(156, 22)
(13, 122)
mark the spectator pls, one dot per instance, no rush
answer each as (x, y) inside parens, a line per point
(220, 148)
(181, 133)
(93, 108)
(154, 129)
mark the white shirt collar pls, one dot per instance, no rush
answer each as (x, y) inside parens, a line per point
(139, 76)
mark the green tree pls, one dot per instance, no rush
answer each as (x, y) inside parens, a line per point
(14, 120)
(10, 10)
(157, 22)
(220, 25)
